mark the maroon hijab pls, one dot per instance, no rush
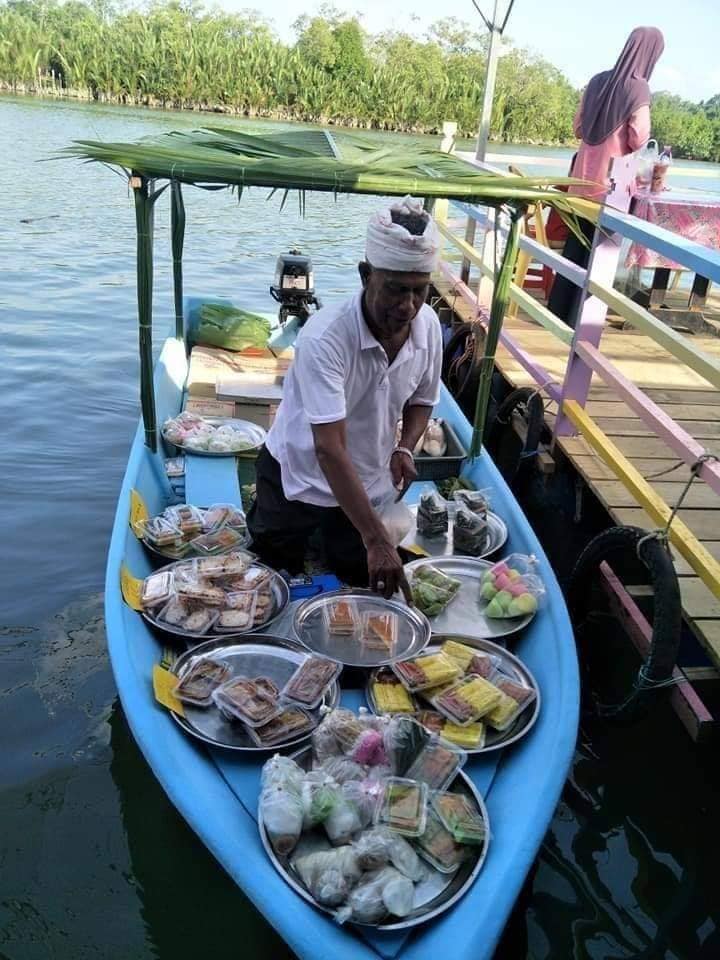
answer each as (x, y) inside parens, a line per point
(613, 96)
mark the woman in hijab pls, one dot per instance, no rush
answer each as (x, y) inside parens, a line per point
(613, 120)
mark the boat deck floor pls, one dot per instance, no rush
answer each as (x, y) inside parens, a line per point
(683, 394)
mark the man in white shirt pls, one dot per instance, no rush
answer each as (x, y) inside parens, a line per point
(330, 461)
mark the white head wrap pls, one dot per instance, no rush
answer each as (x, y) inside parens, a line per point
(389, 246)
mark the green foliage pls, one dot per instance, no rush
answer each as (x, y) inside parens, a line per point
(177, 53)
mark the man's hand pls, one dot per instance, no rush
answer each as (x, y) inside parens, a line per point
(385, 570)
(402, 470)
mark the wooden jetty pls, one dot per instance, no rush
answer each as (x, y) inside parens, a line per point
(629, 399)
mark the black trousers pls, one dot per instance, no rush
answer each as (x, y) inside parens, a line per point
(565, 295)
(280, 529)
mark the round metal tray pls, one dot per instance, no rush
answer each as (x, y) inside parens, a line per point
(256, 656)
(465, 612)
(256, 432)
(309, 625)
(433, 896)
(278, 588)
(443, 546)
(509, 664)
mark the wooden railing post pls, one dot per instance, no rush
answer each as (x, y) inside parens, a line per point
(592, 311)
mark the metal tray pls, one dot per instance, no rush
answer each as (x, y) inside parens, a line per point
(443, 546)
(278, 588)
(256, 656)
(309, 626)
(509, 664)
(256, 432)
(464, 614)
(433, 896)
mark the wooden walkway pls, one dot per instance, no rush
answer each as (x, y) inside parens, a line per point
(683, 394)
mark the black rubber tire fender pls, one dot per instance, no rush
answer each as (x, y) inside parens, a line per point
(667, 606)
(523, 396)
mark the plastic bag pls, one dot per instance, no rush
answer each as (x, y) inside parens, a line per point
(432, 590)
(396, 518)
(343, 821)
(318, 798)
(512, 587)
(280, 771)
(364, 796)
(342, 769)
(434, 441)
(377, 847)
(404, 739)
(282, 813)
(432, 513)
(647, 158)
(369, 749)
(381, 892)
(328, 874)
(470, 532)
(228, 327)
(476, 500)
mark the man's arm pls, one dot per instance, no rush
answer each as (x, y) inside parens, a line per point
(384, 563)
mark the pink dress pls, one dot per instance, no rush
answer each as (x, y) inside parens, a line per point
(593, 162)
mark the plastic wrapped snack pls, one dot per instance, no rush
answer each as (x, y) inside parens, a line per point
(403, 807)
(380, 846)
(404, 738)
(340, 730)
(328, 875)
(160, 532)
(476, 500)
(342, 769)
(470, 737)
(472, 698)
(344, 819)
(427, 671)
(369, 749)
(432, 514)
(242, 698)
(389, 695)
(318, 793)
(364, 795)
(217, 541)
(341, 618)
(197, 684)
(436, 764)
(233, 621)
(461, 653)
(432, 590)
(157, 588)
(280, 804)
(460, 817)
(379, 630)
(311, 680)
(216, 516)
(512, 587)
(200, 620)
(434, 442)
(470, 532)
(264, 606)
(503, 714)
(175, 613)
(256, 577)
(286, 726)
(187, 518)
(201, 591)
(430, 574)
(381, 892)
(438, 846)
(175, 467)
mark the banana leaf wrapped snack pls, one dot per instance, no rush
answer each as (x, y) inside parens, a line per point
(432, 514)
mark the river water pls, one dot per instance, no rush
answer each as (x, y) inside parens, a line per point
(94, 861)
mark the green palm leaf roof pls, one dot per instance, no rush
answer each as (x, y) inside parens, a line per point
(318, 160)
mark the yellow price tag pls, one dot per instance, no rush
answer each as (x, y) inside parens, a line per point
(131, 588)
(163, 684)
(138, 512)
(418, 551)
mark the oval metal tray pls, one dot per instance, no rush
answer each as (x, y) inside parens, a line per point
(432, 896)
(309, 625)
(509, 664)
(256, 432)
(278, 587)
(443, 546)
(255, 656)
(465, 612)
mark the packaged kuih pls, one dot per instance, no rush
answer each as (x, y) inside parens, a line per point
(161, 532)
(236, 519)
(403, 806)
(470, 699)
(238, 613)
(198, 619)
(187, 518)
(280, 804)
(344, 820)
(460, 816)
(341, 618)
(288, 725)
(241, 698)
(157, 588)
(438, 846)
(328, 875)
(175, 467)
(436, 764)
(404, 738)
(432, 514)
(512, 587)
(232, 564)
(469, 737)
(217, 541)
(318, 797)
(200, 680)
(514, 697)
(476, 500)
(379, 630)
(216, 516)
(201, 592)
(254, 578)
(470, 659)
(388, 695)
(427, 671)
(377, 847)
(342, 769)
(341, 730)
(432, 590)
(307, 686)
(470, 532)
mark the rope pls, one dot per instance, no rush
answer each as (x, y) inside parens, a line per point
(641, 684)
(662, 534)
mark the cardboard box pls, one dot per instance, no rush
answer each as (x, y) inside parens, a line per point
(249, 391)
(209, 364)
(263, 414)
(210, 408)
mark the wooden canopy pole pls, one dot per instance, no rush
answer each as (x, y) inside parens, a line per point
(177, 230)
(144, 221)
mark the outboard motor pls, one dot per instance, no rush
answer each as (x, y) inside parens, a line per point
(294, 287)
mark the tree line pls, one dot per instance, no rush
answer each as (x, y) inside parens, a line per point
(180, 55)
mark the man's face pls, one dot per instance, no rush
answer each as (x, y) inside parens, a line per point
(392, 299)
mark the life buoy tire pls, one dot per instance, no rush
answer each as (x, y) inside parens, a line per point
(611, 546)
(503, 445)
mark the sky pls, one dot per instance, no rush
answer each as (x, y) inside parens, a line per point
(689, 67)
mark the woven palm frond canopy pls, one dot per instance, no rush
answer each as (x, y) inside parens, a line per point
(308, 161)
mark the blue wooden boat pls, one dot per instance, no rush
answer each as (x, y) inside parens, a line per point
(217, 791)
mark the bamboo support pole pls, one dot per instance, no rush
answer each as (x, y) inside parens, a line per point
(144, 220)
(177, 230)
